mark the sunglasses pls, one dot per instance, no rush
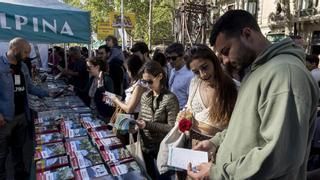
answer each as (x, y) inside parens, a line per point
(150, 82)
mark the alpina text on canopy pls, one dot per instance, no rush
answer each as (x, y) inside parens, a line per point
(21, 21)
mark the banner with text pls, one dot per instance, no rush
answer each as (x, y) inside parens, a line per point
(104, 29)
(129, 19)
(44, 25)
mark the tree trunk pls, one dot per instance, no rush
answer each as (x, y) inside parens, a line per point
(150, 24)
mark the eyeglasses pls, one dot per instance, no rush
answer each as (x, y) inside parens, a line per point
(150, 82)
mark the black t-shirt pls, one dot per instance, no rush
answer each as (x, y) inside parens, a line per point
(20, 93)
(80, 66)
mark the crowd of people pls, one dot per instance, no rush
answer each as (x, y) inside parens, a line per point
(254, 104)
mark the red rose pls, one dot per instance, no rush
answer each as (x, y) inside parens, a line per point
(185, 125)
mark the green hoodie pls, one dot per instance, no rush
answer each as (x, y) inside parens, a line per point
(271, 127)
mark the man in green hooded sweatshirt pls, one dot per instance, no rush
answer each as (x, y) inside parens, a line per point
(273, 121)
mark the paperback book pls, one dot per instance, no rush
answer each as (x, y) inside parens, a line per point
(69, 124)
(101, 134)
(80, 144)
(49, 138)
(72, 133)
(63, 173)
(51, 163)
(108, 143)
(46, 129)
(124, 168)
(94, 172)
(116, 155)
(93, 124)
(84, 159)
(49, 150)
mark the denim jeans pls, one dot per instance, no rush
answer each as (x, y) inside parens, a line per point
(12, 136)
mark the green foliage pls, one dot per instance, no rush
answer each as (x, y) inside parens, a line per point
(99, 9)
(162, 16)
(162, 22)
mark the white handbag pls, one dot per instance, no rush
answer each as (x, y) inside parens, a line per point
(136, 150)
(174, 138)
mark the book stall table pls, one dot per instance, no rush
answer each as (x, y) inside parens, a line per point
(72, 144)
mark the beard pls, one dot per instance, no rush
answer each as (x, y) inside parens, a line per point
(237, 67)
(18, 57)
(245, 58)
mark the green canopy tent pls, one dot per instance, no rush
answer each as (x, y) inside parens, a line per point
(44, 21)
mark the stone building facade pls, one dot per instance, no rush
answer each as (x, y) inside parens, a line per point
(281, 18)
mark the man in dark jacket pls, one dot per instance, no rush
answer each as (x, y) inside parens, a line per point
(115, 68)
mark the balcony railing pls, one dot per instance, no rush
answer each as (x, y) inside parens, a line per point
(309, 12)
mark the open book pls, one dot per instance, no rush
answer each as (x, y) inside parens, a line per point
(110, 95)
(180, 157)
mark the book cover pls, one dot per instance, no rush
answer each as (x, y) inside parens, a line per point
(94, 172)
(101, 134)
(83, 159)
(72, 133)
(46, 129)
(80, 144)
(93, 124)
(108, 143)
(124, 168)
(41, 120)
(69, 124)
(115, 155)
(49, 150)
(49, 138)
(63, 173)
(51, 163)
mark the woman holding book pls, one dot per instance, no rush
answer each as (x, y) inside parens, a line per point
(99, 83)
(159, 108)
(212, 94)
(131, 104)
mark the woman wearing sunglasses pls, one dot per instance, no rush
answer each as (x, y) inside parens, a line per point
(212, 94)
(159, 108)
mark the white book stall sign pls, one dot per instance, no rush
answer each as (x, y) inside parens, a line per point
(178, 157)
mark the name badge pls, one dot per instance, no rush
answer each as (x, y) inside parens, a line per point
(17, 80)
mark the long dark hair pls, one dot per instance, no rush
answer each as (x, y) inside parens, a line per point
(154, 68)
(225, 88)
(134, 64)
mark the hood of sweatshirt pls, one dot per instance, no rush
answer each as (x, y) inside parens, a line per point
(286, 46)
